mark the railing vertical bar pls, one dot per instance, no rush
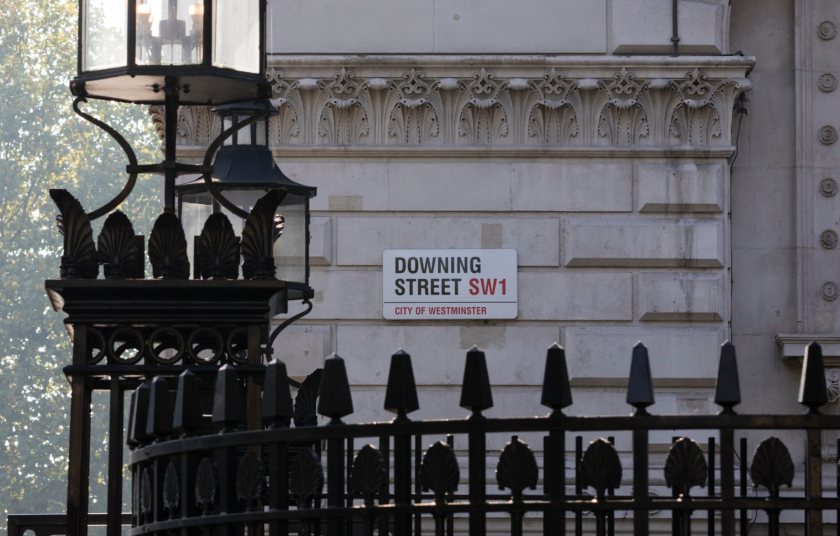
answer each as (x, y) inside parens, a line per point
(554, 448)
(278, 497)
(640, 482)
(450, 518)
(611, 493)
(578, 486)
(115, 458)
(418, 490)
(837, 484)
(384, 495)
(676, 515)
(335, 484)
(727, 480)
(710, 514)
(813, 482)
(402, 481)
(477, 453)
(348, 499)
(743, 468)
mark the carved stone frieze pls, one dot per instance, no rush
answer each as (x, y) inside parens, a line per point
(432, 102)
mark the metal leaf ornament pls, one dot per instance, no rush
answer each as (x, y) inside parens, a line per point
(306, 401)
(258, 237)
(685, 467)
(205, 485)
(78, 260)
(119, 250)
(306, 477)
(249, 480)
(772, 466)
(517, 468)
(439, 471)
(600, 467)
(369, 475)
(217, 255)
(171, 489)
(168, 248)
(146, 492)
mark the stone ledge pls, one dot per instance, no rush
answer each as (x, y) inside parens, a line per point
(792, 346)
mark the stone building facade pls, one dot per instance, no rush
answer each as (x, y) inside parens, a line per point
(669, 177)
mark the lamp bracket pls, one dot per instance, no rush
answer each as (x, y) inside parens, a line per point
(286, 323)
(129, 152)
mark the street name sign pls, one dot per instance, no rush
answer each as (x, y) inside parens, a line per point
(440, 284)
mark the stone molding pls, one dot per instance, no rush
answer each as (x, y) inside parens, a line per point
(792, 346)
(501, 103)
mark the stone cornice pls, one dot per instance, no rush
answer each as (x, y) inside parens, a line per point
(450, 105)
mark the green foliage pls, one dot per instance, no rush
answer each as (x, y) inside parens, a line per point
(43, 145)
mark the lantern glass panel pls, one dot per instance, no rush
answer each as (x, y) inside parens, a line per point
(170, 32)
(104, 34)
(290, 246)
(236, 35)
(194, 210)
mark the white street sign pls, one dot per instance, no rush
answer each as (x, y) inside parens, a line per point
(439, 284)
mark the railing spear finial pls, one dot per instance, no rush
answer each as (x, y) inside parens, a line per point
(228, 402)
(727, 387)
(187, 415)
(556, 391)
(401, 393)
(640, 385)
(277, 409)
(159, 418)
(476, 394)
(335, 401)
(812, 388)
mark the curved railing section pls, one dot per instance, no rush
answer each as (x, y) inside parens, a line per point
(261, 462)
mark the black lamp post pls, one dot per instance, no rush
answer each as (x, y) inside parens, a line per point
(126, 328)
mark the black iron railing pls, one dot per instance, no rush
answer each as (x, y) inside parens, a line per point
(406, 477)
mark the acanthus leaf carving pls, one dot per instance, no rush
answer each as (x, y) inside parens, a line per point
(343, 119)
(414, 118)
(285, 127)
(447, 105)
(79, 259)
(197, 125)
(623, 120)
(552, 119)
(695, 119)
(483, 119)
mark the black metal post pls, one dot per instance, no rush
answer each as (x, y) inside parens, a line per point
(115, 458)
(78, 474)
(477, 446)
(813, 482)
(640, 482)
(335, 483)
(402, 478)
(727, 480)
(554, 446)
(170, 172)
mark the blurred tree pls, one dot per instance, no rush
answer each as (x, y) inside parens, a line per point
(43, 145)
